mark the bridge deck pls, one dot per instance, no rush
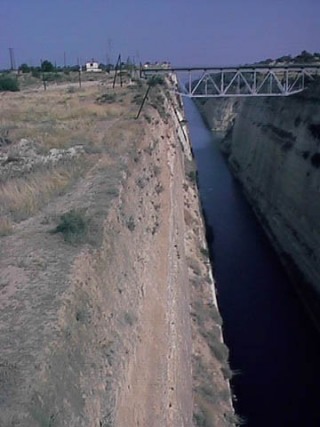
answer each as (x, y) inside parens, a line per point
(231, 68)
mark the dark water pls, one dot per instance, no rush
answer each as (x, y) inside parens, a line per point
(272, 343)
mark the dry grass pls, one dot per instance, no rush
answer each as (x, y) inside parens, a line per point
(57, 117)
(23, 197)
(60, 118)
(6, 226)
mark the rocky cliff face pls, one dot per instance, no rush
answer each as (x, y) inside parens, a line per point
(273, 147)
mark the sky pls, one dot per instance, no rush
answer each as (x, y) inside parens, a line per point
(184, 32)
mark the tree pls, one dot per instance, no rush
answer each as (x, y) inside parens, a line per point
(304, 57)
(47, 67)
(285, 58)
(24, 68)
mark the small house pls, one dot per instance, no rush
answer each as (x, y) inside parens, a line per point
(92, 67)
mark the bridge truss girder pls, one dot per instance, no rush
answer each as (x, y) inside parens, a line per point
(246, 82)
(259, 80)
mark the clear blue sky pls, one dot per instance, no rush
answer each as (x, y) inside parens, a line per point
(199, 32)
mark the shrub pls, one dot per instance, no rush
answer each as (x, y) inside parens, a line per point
(192, 175)
(8, 83)
(24, 68)
(159, 188)
(227, 372)
(129, 318)
(71, 89)
(73, 225)
(47, 66)
(137, 99)
(35, 72)
(148, 118)
(204, 252)
(156, 80)
(130, 223)
(200, 419)
(107, 98)
(51, 77)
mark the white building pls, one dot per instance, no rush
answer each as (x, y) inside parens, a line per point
(92, 67)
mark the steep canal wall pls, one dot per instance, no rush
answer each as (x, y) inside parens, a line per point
(211, 393)
(177, 373)
(273, 148)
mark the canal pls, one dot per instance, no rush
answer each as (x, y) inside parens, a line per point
(274, 348)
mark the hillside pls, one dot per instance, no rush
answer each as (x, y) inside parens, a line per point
(108, 314)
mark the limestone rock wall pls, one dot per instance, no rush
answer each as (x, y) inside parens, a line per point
(273, 147)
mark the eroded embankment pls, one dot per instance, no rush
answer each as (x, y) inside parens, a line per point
(126, 331)
(273, 149)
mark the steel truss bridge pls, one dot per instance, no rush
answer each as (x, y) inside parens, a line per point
(255, 80)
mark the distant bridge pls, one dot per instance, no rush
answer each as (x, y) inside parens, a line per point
(242, 81)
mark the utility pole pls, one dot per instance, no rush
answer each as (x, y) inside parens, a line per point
(138, 57)
(110, 50)
(12, 59)
(118, 67)
(143, 101)
(64, 60)
(44, 82)
(79, 72)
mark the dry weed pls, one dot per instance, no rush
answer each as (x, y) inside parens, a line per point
(6, 226)
(60, 119)
(21, 198)
(56, 119)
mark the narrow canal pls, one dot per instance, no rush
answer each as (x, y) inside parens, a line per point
(273, 345)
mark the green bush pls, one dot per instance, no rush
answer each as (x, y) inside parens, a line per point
(74, 226)
(47, 66)
(192, 175)
(8, 83)
(35, 72)
(200, 420)
(24, 68)
(51, 77)
(156, 80)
